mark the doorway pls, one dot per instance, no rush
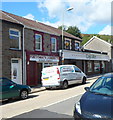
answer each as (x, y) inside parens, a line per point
(34, 74)
(16, 70)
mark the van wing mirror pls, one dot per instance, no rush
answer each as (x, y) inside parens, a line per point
(87, 88)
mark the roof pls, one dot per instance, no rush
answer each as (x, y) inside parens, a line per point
(107, 43)
(31, 24)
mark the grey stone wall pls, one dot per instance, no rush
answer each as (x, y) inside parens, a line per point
(8, 53)
(47, 40)
(29, 39)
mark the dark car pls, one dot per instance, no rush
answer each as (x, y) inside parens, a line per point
(97, 101)
(9, 89)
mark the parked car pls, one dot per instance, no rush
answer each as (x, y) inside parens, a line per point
(62, 76)
(97, 101)
(9, 89)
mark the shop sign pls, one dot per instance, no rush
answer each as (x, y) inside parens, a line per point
(42, 58)
(90, 56)
(84, 56)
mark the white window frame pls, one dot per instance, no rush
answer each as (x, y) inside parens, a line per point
(38, 42)
(70, 43)
(52, 44)
(16, 36)
(75, 45)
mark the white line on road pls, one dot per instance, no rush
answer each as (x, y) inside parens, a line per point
(62, 100)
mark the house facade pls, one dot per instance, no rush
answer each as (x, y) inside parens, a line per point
(28, 46)
(11, 34)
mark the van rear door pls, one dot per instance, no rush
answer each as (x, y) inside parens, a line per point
(50, 76)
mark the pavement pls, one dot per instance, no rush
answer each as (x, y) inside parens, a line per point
(40, 88)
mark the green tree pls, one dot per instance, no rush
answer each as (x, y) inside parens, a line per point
(64, 27)
(74, 31)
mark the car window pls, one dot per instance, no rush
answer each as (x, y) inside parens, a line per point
(66, 69)
(103, 85)
(6, 82)
(77, 69)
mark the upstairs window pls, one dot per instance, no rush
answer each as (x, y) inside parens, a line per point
(68, 44)
(77, 45)
(53, 44)
(38, 42)
(15, 41)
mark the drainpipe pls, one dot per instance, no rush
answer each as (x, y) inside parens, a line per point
(23, 58)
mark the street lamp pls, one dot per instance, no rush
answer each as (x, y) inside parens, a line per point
(69, 9)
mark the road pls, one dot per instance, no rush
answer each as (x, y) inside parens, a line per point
(46, 104)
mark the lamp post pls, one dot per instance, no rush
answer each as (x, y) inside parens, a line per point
(69, 9)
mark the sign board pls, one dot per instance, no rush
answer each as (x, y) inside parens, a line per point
(84, 56)
(43, 58)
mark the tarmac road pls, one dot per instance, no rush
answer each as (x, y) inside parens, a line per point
(48, 103)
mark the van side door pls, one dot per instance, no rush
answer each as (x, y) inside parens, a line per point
(78, 74)
(67, 73)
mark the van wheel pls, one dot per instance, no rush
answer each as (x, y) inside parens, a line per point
(48, 88)
(65, 85)
(84, 80)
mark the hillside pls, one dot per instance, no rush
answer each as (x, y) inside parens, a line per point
(87, 37)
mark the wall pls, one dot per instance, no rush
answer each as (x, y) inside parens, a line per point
(99, 45)
(29, 39)
(7, 53)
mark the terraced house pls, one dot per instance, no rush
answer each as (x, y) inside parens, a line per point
(28, 46)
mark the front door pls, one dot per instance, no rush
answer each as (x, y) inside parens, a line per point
(34, 74)
(16, 71)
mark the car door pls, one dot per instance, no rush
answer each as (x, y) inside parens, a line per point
(78, 74)
(9, 89)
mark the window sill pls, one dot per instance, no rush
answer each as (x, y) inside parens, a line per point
(16, 49)
(38, 50)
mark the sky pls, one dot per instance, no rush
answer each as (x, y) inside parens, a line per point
(90, 16)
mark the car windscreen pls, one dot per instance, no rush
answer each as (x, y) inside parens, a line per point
(104, 85)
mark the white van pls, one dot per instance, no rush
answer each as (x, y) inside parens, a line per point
(62, 76)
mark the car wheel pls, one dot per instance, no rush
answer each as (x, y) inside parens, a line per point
(65, 85)
(23, 94)
(84, 80)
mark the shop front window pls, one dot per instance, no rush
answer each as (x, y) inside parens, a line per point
(96, 66)
(89, 66)
(49, 64)
(103, 67)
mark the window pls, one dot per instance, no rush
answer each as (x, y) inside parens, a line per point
(76, 45)
(49, 64)
(89, 66)
(77, 69)
(53, 44)
(38, 42)
(6, 82)
(67, 44)
(15, 38)
(96, 66)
